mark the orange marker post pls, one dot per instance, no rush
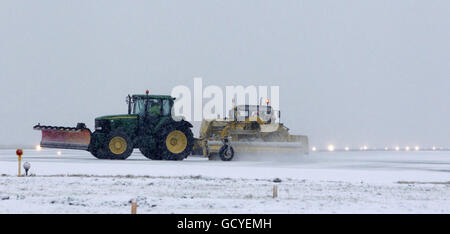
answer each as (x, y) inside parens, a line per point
(19, 153)
(133, 207)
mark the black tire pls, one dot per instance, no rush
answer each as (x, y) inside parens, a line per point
(166, 153)
(96, 148)
(150, 154)
(123, 151)
(226, 153)
(99, 153)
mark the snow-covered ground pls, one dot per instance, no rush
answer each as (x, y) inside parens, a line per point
(338, 182)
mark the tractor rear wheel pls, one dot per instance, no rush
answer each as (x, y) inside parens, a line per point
(118, 145)
(175, 143)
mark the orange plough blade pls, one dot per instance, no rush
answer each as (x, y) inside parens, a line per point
(65, 137)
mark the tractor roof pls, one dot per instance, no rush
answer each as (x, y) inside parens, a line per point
(143, 96)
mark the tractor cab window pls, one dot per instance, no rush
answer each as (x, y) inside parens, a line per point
(166, 107)
(154, 107)
(139, 107)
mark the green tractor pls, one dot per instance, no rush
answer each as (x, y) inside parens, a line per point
(148, 126)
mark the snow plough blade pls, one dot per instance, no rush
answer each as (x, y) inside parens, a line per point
(300, 145)
(65, 137)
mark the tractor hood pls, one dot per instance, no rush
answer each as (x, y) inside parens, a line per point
(114, 117)
(109, 123)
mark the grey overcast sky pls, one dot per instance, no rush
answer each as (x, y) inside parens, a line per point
(350, 72)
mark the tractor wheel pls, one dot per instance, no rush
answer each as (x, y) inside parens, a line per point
(118, 146)
(175, 143)
(99, 153)
(150, 154)
(226, 153)
(97, 150)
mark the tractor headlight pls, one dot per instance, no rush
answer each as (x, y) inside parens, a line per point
(101, 125)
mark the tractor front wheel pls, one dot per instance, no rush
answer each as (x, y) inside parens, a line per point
(118, 146)
(96, 148)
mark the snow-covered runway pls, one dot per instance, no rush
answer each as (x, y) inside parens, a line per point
(337, 182)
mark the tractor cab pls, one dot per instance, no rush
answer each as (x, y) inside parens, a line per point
(151, 105)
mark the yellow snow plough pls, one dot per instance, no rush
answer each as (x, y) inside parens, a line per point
(249, 128)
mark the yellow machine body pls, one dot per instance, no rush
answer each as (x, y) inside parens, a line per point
(251, 128)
